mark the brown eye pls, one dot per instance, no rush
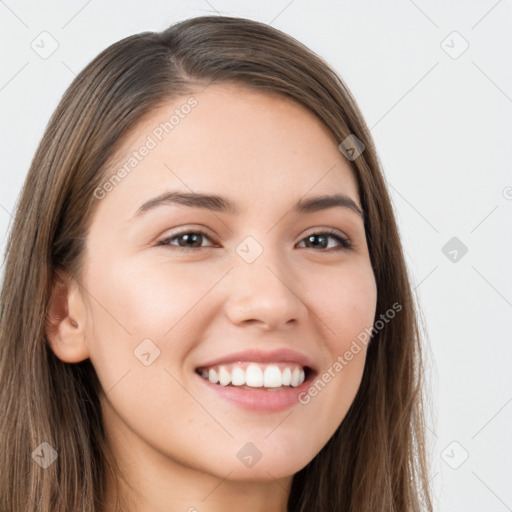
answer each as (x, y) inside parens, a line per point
(321, 240)
(186, 240)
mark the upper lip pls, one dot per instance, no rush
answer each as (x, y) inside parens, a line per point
(261, 356)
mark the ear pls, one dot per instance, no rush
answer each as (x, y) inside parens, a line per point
(65, 320)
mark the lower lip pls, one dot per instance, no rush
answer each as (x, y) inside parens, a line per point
(259, 400)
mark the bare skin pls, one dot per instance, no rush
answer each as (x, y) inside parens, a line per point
(175, 439)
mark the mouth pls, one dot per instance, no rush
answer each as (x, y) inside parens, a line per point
(250, 375)
(256, 380)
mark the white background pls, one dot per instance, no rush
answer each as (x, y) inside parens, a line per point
(442, 129)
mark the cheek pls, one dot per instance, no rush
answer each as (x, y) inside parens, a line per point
(347, 304)
(347, 308)
(326, 402)
(142, 308)
(147, 299)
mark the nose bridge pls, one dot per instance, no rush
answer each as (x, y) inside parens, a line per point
(263, 285)
(260, 259)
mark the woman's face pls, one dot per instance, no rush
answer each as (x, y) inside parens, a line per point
(262, 285)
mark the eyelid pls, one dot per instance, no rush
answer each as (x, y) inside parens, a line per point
(331, 231)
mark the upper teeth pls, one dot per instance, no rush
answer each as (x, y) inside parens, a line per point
(255, 375)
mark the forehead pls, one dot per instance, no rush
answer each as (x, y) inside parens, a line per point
(258, 147)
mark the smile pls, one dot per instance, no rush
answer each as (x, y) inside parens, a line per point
(247, 375)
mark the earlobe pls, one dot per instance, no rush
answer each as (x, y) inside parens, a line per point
(65, 321)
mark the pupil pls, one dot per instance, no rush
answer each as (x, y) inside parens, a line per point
(312, 237)
(189, 237)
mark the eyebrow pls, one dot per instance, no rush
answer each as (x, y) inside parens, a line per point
(223, 205)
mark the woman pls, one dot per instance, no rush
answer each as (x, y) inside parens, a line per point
(278, 367)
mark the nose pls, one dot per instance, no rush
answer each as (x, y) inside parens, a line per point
(265, 293)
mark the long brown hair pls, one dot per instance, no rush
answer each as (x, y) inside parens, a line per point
(375, 461)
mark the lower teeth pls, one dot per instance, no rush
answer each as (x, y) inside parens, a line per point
(281, 388)
(251, 388)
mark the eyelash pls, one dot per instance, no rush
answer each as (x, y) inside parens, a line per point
(330, 233)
